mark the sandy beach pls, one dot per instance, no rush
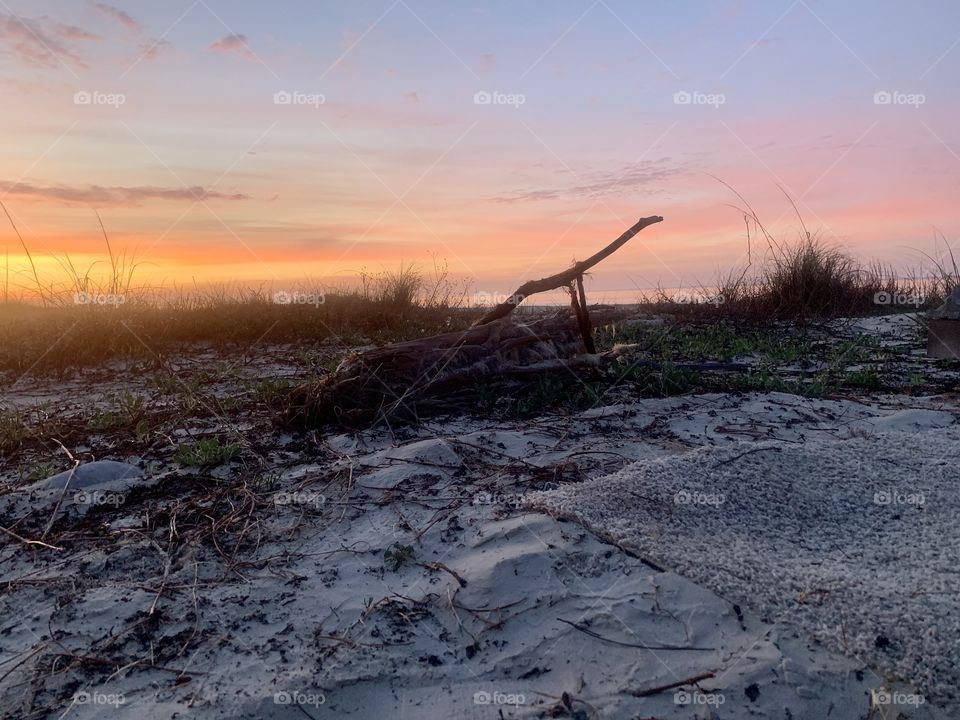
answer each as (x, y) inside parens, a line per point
(419, 583)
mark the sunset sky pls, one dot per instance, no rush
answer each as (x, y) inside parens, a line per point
(172, 119)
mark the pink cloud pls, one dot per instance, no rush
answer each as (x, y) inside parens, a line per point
(43, 42)
(120, 16)
(605, 183)
(117, 196)
(232, 44)
(154, 48)
(72, 32)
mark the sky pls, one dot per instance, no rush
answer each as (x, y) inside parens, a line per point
(267, 142)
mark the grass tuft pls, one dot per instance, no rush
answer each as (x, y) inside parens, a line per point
(206, 453)
(809, 280)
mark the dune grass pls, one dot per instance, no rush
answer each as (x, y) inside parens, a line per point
(811, 280)
(93, 316)
(54, 339)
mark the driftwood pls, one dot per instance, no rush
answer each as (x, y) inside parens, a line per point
(403, 380)
(563, 279)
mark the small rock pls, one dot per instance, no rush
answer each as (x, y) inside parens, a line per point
(103, 482)
(99, 474)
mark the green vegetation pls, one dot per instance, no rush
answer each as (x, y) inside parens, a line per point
(38, 470)
(206, 453)
(126, 410)
(718, 341)
(397, 555)
(551, 393)
(13, 431)
(269, 391)
(664, 380)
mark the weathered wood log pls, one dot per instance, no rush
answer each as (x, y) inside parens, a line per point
(397, 381)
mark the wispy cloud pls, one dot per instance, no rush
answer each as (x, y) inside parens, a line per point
(149, 48)
(152, 49)
(42, 42)
(121, 16)
(599, 184)
(117, 196)
(236, 43)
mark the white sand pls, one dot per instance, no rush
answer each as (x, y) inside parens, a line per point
(315, 614)
(855, 541)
